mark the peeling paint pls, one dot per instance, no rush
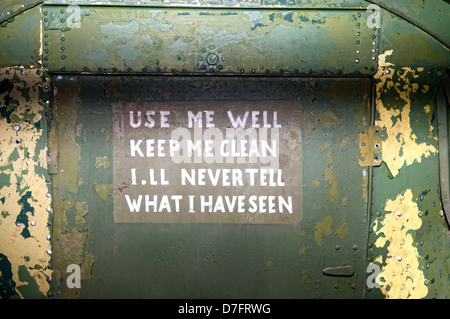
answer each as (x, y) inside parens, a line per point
(400, 147)
(401, 276)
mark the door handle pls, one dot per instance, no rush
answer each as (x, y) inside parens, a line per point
(345, 270)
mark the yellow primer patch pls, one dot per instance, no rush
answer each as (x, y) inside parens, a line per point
(322, 228)
(401, 277)
(400, 147)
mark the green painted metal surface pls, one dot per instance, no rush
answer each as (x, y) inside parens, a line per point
(20, 42)
(214, 260)
(391, 217)
(431, 17)
(228, 41)
(10, 8)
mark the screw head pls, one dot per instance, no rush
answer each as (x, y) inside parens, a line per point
(212, 59)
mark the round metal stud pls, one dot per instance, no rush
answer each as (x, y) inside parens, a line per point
(33, 223)
(16, 127)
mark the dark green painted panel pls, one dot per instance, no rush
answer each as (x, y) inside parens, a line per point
(211, 260)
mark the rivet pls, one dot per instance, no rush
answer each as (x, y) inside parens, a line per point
(18, 224)
(63, 48)
(357, 51)
(358, 42)
(353, 286)
(399, 214)
(373, 58)
(358, 33)
(63, 57)
(388, 71)
(33, 223)
(399, 258)
(373, 43)
(427, 282)
(212, 59)
(420, 214)
(220, 67)
(16, 127)
(336, 286)
(49, 209)
(441, 213)
(48, 237)
(242, 70)
(337, 247)
(49, 252)
(253, 70)
(357, 61)
(355, 247)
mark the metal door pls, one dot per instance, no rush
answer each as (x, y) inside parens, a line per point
(319, 253)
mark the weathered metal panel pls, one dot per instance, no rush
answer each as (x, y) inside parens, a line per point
(214, 260)
(433, 17)
(25, 199)
(224, 41)
(20, 43)
(409, 237)
(10, 8)
(304, 4)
